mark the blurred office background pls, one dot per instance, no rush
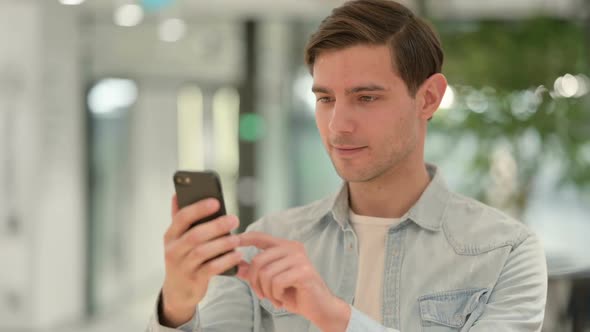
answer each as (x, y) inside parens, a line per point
(102, 100)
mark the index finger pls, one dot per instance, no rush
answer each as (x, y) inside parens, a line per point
(258, 239)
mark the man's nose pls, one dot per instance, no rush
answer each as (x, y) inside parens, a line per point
(342, 120)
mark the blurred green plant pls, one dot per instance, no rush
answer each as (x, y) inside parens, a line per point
(504, 74)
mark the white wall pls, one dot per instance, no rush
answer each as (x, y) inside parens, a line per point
(210, 51)
(210, 55)
(42, 264)
(19, 91)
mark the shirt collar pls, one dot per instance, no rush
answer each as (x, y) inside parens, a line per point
(427, 212)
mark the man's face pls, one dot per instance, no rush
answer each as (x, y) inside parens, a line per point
(368, 122)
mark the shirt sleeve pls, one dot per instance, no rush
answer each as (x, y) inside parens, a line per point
(517, 302)
(229, 305)
(154, 325)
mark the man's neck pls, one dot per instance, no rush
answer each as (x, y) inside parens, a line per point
(390, 195)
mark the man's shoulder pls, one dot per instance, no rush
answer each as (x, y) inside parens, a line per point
(295, 222)
(472, 227)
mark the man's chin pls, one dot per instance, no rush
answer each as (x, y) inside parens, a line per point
(352, 175)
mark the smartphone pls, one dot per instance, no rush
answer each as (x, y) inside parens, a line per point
(193, 186)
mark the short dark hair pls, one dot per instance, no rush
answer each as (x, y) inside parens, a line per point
(415, 47)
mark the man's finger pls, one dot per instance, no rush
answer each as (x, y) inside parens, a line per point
(186, 216)
(243, 270)
(244, 274)
(221, 264)
(208, 231)
(263, 260)
(284, 280)
(201, 253)
(174, 208)
(266, 276)
(258, 239)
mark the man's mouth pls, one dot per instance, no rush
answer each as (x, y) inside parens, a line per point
(347, 150)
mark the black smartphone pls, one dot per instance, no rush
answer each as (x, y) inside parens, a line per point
(193, 186)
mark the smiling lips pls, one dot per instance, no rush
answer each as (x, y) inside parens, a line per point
(347, 150)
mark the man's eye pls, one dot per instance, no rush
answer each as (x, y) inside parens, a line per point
(367, 98)
(323, 100)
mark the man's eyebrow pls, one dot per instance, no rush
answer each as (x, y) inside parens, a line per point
(349, 91)
(320, 89)
(363, 88)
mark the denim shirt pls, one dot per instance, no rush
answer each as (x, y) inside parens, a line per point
(452, 264)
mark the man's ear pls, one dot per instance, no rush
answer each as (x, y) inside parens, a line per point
(431, 94)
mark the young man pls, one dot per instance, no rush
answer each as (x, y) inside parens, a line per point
(394, 250)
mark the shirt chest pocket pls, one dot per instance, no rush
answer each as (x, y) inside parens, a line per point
(454, 310)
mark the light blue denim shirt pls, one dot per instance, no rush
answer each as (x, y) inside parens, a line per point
(453, 264)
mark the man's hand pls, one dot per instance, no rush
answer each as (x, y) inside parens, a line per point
(283, 274)
(193, 257)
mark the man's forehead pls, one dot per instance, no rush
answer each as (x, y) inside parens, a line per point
(380, 55)
(355, 83)
(359, 64)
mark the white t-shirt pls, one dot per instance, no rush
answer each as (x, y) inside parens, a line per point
(372, 234)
